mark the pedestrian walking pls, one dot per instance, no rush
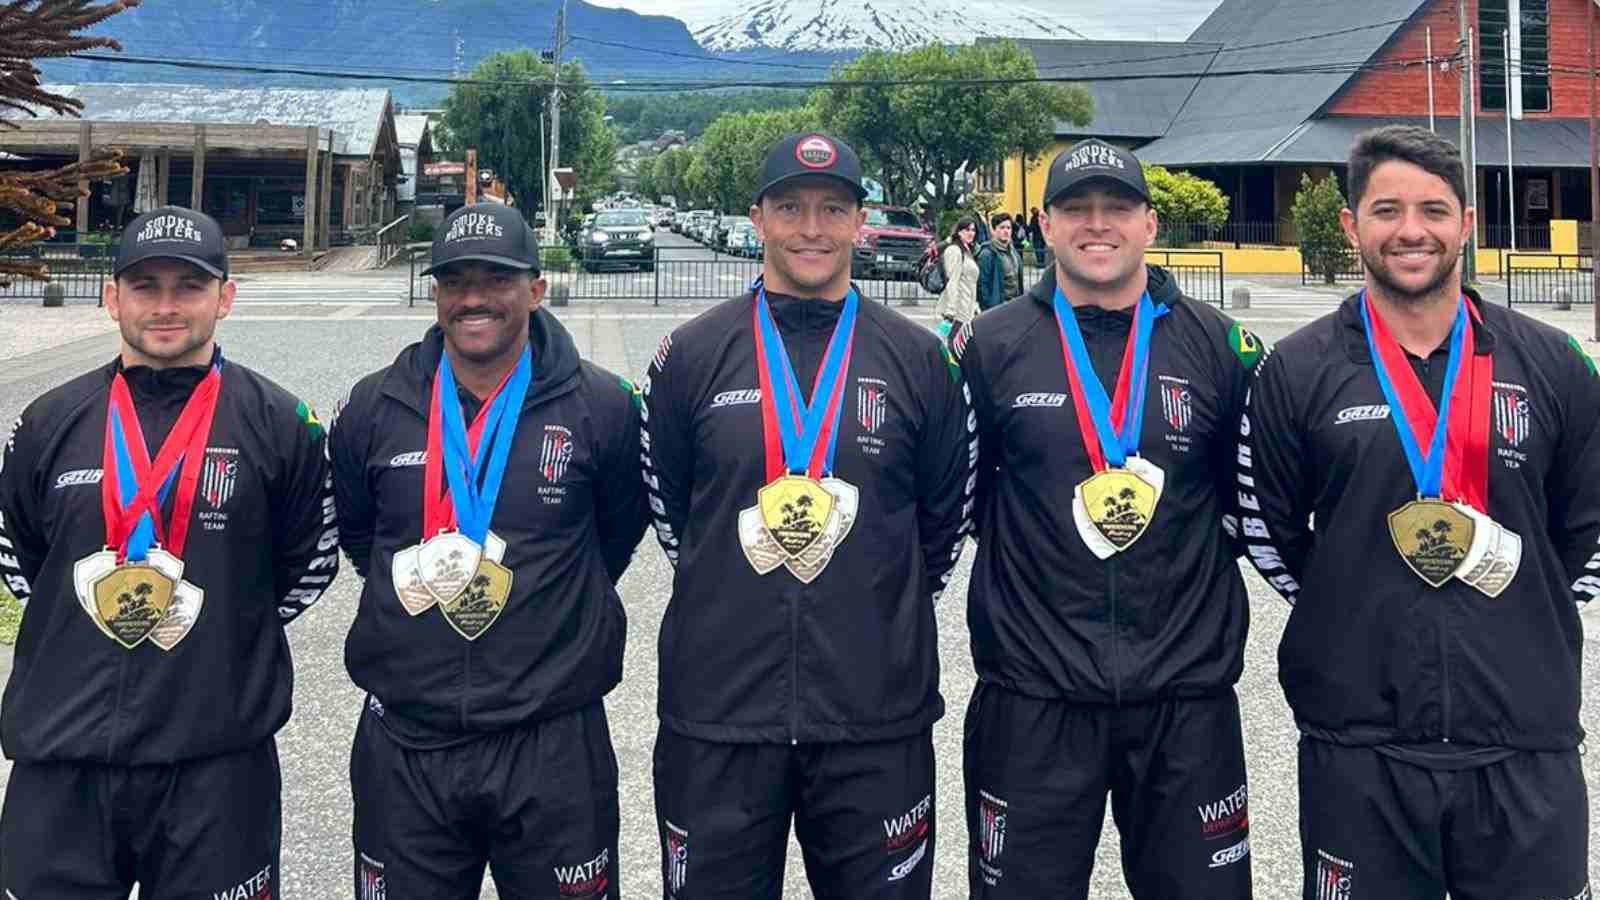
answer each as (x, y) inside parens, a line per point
(1451, 448)
(1036, 238)
(1108, 613)
(152, 671)
(479, 497)
(807, 459)
(958, 302)
(999, 264)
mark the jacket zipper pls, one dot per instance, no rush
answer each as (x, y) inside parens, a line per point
(1444, 634)
(794, 671)
(1444, 668)
(1116, 634)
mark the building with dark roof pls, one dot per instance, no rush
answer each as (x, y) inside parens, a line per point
(244, 155)
(1265, 91)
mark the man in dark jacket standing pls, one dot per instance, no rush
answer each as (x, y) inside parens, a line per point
(807, 455)
(161, 519)
(1449, 452)
(1108, 614)
(481, 489)
(999, 264)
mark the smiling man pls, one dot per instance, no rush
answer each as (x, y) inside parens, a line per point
(484, 488)
(161, 519)
(1108, 614)
(1448, 451)
(807, 454)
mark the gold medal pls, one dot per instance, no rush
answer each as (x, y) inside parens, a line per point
(1433, 537)
(481, 602)
(794, 509)
(131, 600)
(798, 523)
(1119, 505)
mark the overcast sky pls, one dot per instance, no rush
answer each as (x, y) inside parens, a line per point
(1167, 20)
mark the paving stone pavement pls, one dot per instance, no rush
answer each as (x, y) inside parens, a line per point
(317, 334)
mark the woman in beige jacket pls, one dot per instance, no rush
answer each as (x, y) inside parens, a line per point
(958, 303)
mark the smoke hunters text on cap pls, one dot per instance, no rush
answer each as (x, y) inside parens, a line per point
(173, 232)
(799, 155)
(485, 232)
(1090, 161)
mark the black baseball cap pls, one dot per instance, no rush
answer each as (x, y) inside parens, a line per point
(173, 232)
(485, 232)
(810, 153)
(1094, 160)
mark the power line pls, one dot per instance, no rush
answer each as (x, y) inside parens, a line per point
(1331, 67)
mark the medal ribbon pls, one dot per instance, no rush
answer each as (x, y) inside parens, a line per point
(801, 438)
(455, 454)
(133, 488)
(1455, 465)
(1111, 426)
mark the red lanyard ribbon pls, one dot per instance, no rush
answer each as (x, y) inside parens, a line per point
(128, 472)
(1466, 462)
(438, 512)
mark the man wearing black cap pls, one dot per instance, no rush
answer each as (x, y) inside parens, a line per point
(161, 519)
(1107, 612)
(807, 455)
(485, 494)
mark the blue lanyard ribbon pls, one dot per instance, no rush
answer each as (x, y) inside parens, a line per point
(1426, 470)
(1117, 445)
(800, 436)
(475, 481)
(144, 533)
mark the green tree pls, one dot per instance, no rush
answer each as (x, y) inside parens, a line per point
(647, 171)
(924, 132)
(734, 147)
(1184, 203)
(503, 122)
(1323, 246)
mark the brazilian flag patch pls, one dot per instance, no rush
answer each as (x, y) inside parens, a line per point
(633, 392)
(1588, 361)
(309, 418)
(1245, 345)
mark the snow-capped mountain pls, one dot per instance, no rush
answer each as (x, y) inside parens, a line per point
(830, 25)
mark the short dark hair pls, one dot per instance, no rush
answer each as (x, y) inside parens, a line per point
(996, 218)
(1406, 143)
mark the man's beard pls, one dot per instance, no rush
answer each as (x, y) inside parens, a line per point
(199, 337)
(1398, 292)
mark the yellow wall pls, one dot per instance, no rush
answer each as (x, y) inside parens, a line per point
(1012, 200)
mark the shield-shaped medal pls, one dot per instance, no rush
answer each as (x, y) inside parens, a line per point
(131, 600)
(480, 603)
(1433, 537)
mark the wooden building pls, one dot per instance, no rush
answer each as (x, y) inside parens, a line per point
(321, 166)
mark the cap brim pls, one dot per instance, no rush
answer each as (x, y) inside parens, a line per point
(857, 189)
(481, 257)
(195, 261)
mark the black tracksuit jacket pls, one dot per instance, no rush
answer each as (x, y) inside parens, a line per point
(1163, 619)
(570, 530)
(262, 544)
(1372, 655)
(852, 656)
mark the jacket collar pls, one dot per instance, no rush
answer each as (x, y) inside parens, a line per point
(147, 383)
(555, 365)
(1163, 288)
(1353, 330)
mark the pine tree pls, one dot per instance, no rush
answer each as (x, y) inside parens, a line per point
(46, 29)
(1323, 246)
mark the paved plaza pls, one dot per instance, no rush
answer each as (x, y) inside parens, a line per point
(317, 333)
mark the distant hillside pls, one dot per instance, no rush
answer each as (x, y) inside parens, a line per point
(405, 37)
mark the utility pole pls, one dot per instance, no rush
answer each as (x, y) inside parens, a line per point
(1429, 34)
(550, 184)
(1469, 260)
(1511, 181)
(1594, 186)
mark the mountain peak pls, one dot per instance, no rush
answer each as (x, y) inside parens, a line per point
(832, 25)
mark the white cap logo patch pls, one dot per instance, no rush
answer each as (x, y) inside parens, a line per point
(170, 228)
(816, 152)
